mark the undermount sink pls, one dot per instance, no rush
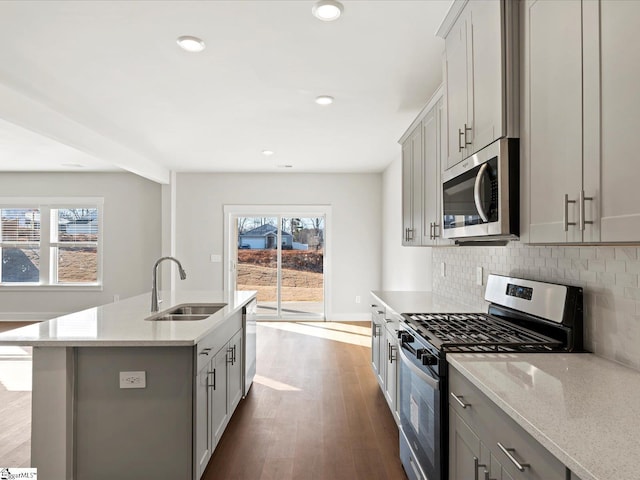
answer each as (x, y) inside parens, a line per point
(187, 312)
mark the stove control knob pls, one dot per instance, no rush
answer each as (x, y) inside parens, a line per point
(429, 359)
(405, 337)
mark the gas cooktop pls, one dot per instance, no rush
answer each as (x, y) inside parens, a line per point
(476, 332)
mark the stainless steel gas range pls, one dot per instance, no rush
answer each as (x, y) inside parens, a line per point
(523, 316)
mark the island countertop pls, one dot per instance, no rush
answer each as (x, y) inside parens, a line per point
(123, 324)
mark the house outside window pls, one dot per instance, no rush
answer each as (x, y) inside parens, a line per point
(52, 242)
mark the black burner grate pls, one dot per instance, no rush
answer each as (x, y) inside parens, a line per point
(475, 332)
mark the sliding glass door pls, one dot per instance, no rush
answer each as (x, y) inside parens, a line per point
(281, 257)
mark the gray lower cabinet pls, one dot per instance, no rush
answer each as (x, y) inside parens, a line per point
(377, 342)
(217, 389)
(485, 444)
(391, 368)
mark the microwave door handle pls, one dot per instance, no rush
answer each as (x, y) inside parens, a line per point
(476, 193)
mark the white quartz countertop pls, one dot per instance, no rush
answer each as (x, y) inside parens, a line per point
(123, 323)
(580, 407)
(419, 302)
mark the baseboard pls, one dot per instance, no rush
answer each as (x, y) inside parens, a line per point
(28, 316)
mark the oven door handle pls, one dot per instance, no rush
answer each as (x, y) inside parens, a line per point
(432, 382)
(476, 193)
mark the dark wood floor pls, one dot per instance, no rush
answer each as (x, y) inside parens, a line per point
(315, 411)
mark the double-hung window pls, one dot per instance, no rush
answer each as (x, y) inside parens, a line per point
(51, 242)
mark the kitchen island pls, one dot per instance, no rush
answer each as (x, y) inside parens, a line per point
(116, 395)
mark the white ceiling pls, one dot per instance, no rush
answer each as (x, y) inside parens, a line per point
(107, 78)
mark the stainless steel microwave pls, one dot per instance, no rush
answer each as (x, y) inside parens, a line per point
(481, 195)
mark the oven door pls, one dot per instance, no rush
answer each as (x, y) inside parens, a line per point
(419, 417)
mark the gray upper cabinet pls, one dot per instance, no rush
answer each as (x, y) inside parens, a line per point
(579, 121)
(620, 102)
(481, 76)
(412, 188)
(554, 67)
(421, 181)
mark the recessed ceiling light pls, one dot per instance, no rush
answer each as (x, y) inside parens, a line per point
(267, 153)
(327, 10)
(73, 165)
(285, 166)
(190, 43)
(324, 100)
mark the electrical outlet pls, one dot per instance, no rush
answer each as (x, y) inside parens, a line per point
(443, 269)
(116, 298)
(133, 380)
(479, 280)
(216, 258)
(357, 298)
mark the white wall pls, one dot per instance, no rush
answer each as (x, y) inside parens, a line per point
(132, 238)
(356, 249)
(403, 268)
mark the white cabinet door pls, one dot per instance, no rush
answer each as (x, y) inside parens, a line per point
(464, 449)
(620, 126)
(554, 40)
(235, 371)
(219, 410)
(431, 176)
(377, 337)
(486, 87)
(456, 70)
(202, 434)
(412, 198)
(391, 370)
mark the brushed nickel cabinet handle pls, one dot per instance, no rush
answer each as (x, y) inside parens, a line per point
(460, 135)
(209, 385)
(466, 129)
(205, 351)
(582, 210)
(436, 235)
(476, 466)
(507, 452)
(565, 218)
(460, 402)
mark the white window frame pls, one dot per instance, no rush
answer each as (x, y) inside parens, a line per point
(48, 264)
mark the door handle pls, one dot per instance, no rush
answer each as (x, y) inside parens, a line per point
(507, 452)
(476, 193)
(582, 212)
(476, 466)
(466, 129)
(460, 402)
(565, 218)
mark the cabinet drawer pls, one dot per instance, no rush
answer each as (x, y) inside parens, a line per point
(206, 348)
(506, 440)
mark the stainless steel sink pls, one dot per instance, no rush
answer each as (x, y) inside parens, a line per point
(173, 317)
(197, 309)
(187, 312)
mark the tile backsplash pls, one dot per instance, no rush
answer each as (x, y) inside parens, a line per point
(608, 274)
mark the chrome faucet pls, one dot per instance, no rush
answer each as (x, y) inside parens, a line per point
(154, 286)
